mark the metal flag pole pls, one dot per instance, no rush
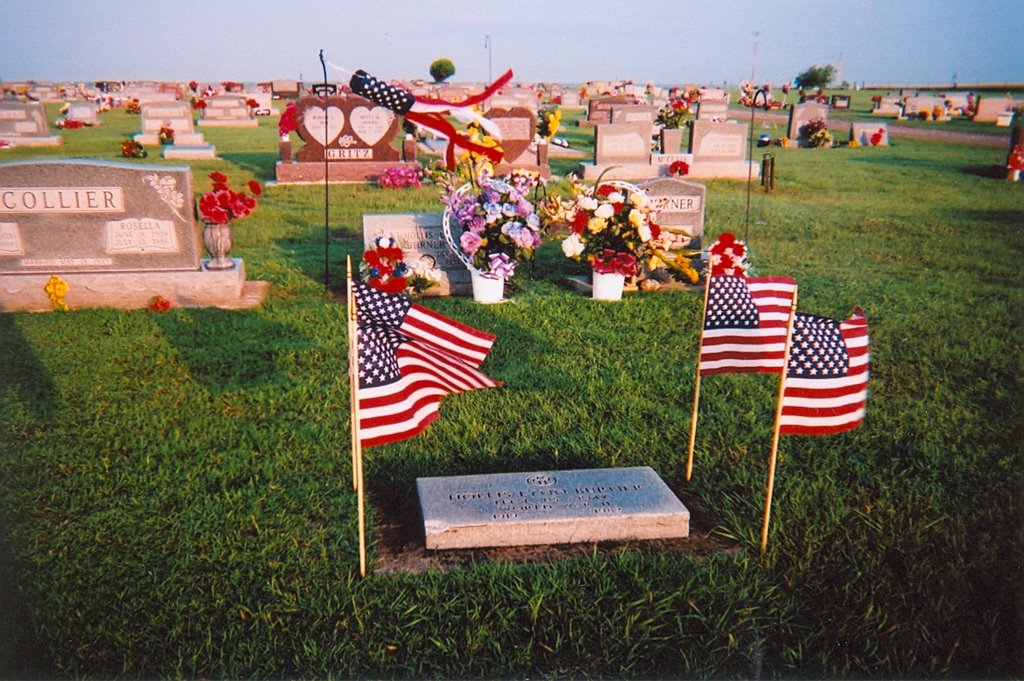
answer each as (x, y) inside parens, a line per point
(750, 142)
(775, 435)
(327, 201)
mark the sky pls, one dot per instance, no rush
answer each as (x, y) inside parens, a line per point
(667, 42)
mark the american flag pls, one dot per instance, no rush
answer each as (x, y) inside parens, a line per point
(409, 357)
(745, 324)
(827, 381)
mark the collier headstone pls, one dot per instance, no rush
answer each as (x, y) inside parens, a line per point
(118, 234)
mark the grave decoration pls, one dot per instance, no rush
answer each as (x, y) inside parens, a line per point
(497, 228)
(218, 208)
(671, 118)
(386, 268)
(1015, 163)
(398, 348)
(611, 229)
(822, 363)
(117, 234)
(428, 113)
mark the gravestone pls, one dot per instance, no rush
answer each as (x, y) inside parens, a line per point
(840, 102)
(549, 507)
(264, 102)
(990, 108)
(227, 111)
(599, 109)
(713, 105)
(888, 105)
(799, 116)
(188, 144)
(420, 236)
(634, 114)
(718, 141)
(864, 133)
(570, 100)
(622, 143)
(118, 234)
(24, 124)
(347, 137)
(915, 106)
(84, 113)
(284, 89)
(679, 204)
(518, 126)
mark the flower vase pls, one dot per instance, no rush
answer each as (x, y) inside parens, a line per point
(1012, 175)
(487, 290)
(218, 242)
(671, 140)
(608, 286)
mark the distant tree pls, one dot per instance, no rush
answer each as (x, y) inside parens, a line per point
(817, 76)
(442, 69)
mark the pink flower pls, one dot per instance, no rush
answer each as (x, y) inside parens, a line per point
(470, 242)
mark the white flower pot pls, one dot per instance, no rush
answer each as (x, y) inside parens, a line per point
(608, 286)
(487, 290)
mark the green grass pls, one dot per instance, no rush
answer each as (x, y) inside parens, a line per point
(176, 495)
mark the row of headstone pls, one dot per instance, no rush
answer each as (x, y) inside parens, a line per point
(623, 151)
(188, 144)
(117, 234)
(227, 111)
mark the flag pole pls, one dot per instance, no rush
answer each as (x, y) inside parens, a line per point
(357, 447)
(696, 381)
(775, 434)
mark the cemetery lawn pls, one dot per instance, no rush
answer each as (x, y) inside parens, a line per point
(176, 493)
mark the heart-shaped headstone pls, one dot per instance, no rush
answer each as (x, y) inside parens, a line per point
(518, 126)
(370, 125)
(323, 125)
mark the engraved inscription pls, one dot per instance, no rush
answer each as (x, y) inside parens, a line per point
(141, 235)
(61, 200)
(10, 239)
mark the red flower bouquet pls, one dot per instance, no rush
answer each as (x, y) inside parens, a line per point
(223, 204)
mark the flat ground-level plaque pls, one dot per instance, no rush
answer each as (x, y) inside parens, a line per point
(549, 507)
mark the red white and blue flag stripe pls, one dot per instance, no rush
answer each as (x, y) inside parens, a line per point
(745, 324)
(826, 386)
(409, 357)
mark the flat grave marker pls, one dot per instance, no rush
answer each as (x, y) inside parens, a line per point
(420, 235)
(549, 507)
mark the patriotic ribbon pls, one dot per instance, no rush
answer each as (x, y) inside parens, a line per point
(428, 112)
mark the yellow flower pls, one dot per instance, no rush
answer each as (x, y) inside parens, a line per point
(56, 289)
(596, 225)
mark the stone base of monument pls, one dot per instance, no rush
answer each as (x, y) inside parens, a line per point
(659, 167)
(184, 139)
(228, 123)
(225, 289)
(549, 507)
(585, 284)
(312, 172)
(50, 141)
(190, 151)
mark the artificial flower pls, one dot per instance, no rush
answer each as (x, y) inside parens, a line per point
(496, 216)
